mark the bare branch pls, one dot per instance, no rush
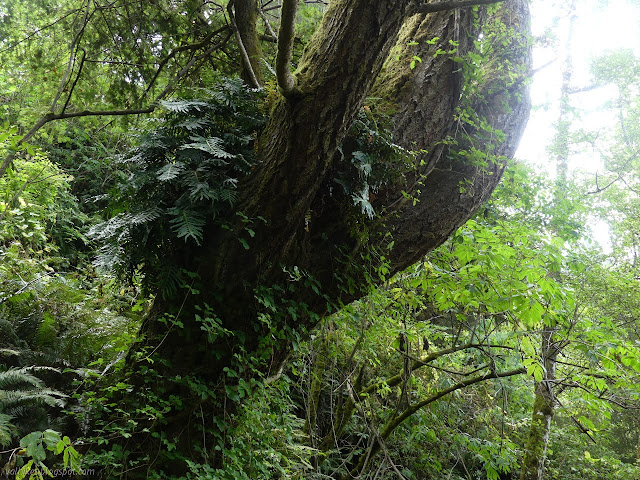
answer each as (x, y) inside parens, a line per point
(451, 5)
(72, 57)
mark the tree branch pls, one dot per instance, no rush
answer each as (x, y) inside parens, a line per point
(396, 379)
(451, 5)
(286, 81)
(72, 57)
(73, 85)
(49, 117)
(174, 52)
(396, 421)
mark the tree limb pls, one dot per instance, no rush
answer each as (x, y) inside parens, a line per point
(72, 58)
(396, 421)
(73, 85)
(243, 51)
(286, 81)
(174, 52)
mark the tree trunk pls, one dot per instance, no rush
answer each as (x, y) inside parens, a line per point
(246, 18)
(544, 404)
(302, 255)
(543, 411)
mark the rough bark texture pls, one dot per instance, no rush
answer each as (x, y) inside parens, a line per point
(449, 188)
(297, 221)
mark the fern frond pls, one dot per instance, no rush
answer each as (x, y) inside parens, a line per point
(170, 171)
(188, 224)
(6, 430)
(15, 377)
(212, 146)
(183, 106)
(12, 400)
(194, 123)
(9, 352)
(202, 191)
(144, 216)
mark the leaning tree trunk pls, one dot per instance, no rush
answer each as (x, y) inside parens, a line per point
(207, 349)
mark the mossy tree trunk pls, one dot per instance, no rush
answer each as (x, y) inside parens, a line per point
(543, 410)
(299, 254)
(537, 443)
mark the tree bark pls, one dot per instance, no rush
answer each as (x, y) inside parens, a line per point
(543, 411)
(299, 232)
(246, 22)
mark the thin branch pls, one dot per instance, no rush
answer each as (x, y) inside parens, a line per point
(451, 5)
(173, 53)
(375, 432)
(39, 30)
(396, 379)
(274, 37)
(49, 117)
(73, 85)
(396, 421)
(72, 57)
(286, 35)
(23, 288)
(583, 429)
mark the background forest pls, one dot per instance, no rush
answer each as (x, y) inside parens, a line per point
(510, 351)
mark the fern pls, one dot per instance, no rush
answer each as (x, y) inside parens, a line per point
(212, 146)
(188, 224)
(180, 179)
(20, 393)
(183, 106)
(170, 171)
(19, 377)
(7, 430)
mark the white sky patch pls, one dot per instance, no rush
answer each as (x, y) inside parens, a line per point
(599, 26)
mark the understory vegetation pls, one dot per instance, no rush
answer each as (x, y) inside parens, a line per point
(510, 351)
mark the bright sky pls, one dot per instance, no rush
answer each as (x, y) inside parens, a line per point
(600, 25)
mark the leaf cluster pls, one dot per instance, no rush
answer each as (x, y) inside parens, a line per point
(180, 179)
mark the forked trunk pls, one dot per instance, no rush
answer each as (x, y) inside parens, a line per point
(292, 253)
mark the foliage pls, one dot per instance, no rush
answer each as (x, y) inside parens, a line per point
(180, 178)
(35, 445)
(21, 396)
(369, 160)
(379, 389)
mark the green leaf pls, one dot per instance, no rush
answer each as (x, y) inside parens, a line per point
(170, 171)
(24, 470)
(188, 224)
